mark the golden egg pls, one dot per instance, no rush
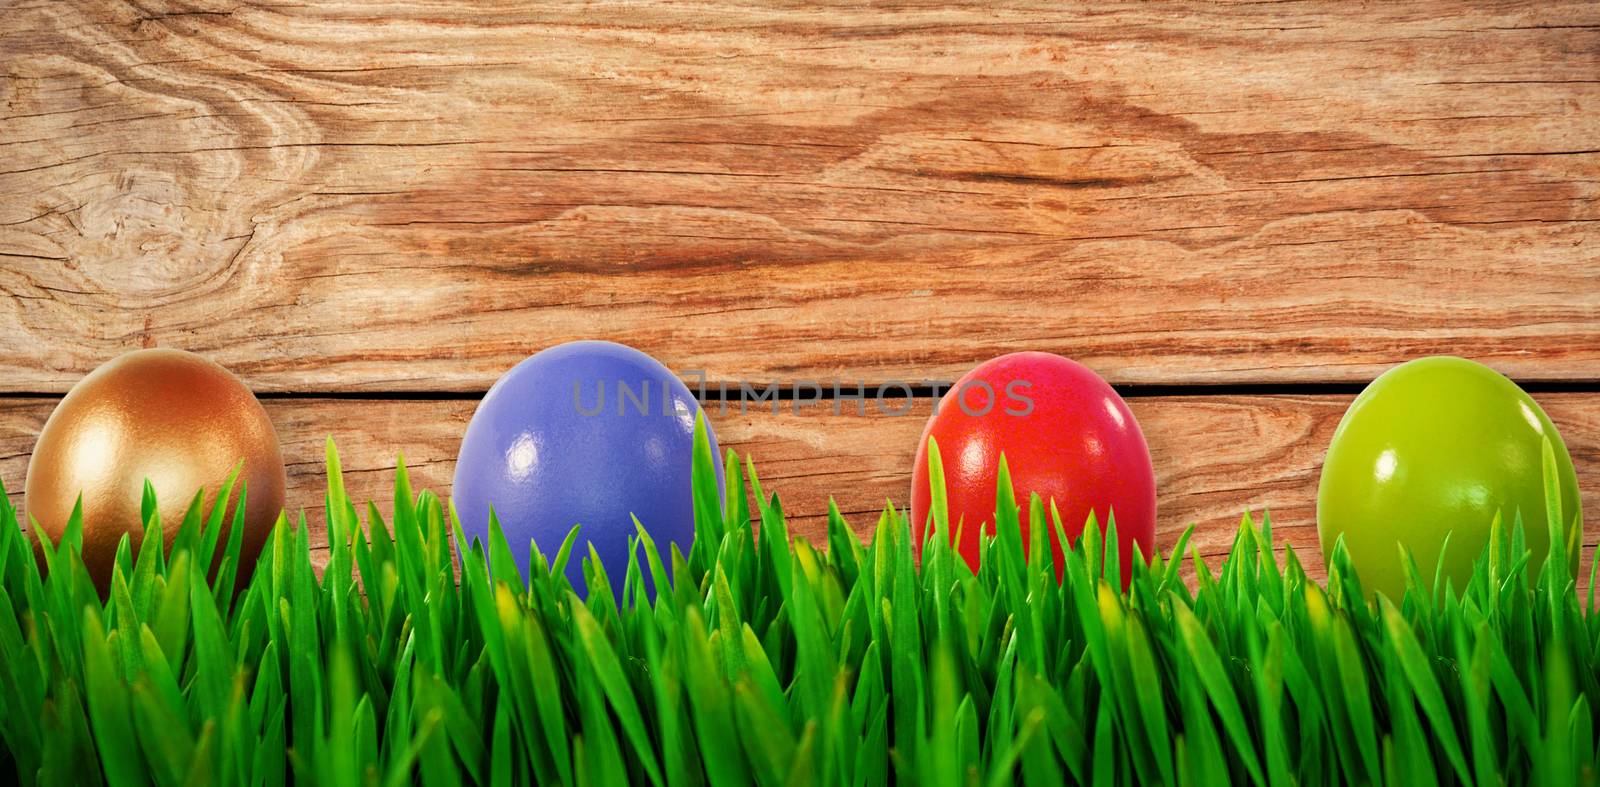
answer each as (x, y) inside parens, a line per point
(168, 416)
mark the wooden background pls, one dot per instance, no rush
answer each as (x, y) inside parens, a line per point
(369, 209)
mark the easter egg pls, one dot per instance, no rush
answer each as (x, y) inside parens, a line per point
(587, 433)
(1433, 447)
(1066, 435)
(167, 416)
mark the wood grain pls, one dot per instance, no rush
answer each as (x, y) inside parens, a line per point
(1215, 456)
(405, 196)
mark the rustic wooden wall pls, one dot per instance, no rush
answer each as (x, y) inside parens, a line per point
(371, 209)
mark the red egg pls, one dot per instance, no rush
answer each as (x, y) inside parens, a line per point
(1066, 435)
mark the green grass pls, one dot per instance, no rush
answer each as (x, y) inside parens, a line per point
(772, 662)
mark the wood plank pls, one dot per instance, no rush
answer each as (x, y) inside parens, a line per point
(1215, 456)
(372, 195)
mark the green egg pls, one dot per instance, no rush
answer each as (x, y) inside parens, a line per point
(1434, 447)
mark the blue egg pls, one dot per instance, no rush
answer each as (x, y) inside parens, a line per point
(586, 433)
